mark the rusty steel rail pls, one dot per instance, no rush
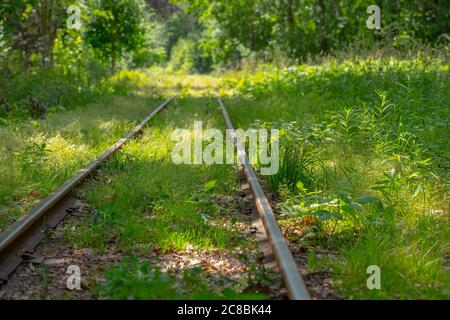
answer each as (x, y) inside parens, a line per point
(20, 240)
(291, 276)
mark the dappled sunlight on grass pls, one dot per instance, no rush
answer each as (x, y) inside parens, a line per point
(39, 156)
(366, 178)
(148, 202)
(194, 85)
(377, 193)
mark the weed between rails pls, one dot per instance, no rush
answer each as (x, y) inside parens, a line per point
(143, 204)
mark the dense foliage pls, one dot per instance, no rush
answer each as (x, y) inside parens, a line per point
(205, 34)
(364, 170)
(362, 112)
(302, 27)
(43, 56)
(115, 28)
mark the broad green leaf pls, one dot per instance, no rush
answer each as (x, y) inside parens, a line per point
(337, 216)
(367, 199)
(348, 208)
(418, 190)
(311, 198)
(327, 200)
(210, 185)
(355, 206)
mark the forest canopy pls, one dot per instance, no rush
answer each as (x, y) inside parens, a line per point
(202, 35)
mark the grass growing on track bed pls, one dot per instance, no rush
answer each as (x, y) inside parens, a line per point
(364, 168)
(36, 157)
(144, 204)
(147, 201)
(140, 205)
(363, 178)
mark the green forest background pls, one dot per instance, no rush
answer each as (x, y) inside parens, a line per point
(196, 36)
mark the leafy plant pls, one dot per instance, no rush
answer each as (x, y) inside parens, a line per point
(338, 205)
(210, 185)
(134, 280)
(297, 163)
(347, 123)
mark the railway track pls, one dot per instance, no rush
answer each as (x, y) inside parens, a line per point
(19, 241)
(288, 268)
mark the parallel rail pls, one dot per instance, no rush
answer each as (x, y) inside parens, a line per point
(20, 240)
(289, 271)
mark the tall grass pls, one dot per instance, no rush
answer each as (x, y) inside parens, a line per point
(379, 128)
(38, 155)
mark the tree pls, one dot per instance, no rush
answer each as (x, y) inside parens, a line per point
(31, 27)
(247, 21)
(115, 28)
(303, 27)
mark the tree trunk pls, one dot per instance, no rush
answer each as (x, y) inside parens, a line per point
(321, 32)
(48, 24)
(289, 14)
(113, 59)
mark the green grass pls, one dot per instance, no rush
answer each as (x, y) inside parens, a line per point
(142, 203)
(132, 279)
(38, 156)
(149, 202)
(374, 188)
(364, 172)
(139, 202)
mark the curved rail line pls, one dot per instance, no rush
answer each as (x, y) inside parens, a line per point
(20, 240)
(291, 276)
